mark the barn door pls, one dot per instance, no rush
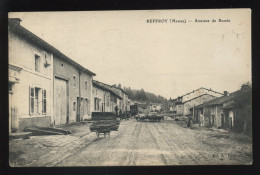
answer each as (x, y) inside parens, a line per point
(82, 107)
(60, 101)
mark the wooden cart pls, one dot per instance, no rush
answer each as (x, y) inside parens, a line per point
(103, 123)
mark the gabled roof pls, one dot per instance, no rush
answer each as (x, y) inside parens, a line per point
(14, 26)
(198, 97)
(119, 89)
(219, 101)
(105, 87)
(199, 89)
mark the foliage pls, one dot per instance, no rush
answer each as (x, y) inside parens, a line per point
(142, 96)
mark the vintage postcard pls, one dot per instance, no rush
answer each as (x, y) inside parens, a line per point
(130, 88)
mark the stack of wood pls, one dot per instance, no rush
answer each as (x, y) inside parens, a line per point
(104, 122)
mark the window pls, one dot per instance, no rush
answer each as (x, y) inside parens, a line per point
(74, 80)
(62, 65)
(37, 63)
(107, 101)
(37, 100)
(37, 96)
(86, 85)
(74, 106)
(44, 102)
(96, 104)
(88, 108)
(31, 100)
(10, 87)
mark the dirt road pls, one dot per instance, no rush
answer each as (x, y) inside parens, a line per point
(149, 143)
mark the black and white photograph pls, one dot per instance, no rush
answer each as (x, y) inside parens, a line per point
(130, 88)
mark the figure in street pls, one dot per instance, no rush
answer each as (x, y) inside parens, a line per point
(116, 109)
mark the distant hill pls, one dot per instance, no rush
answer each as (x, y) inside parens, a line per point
(142, 96)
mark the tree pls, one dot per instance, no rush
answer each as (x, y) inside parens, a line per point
(243, 100)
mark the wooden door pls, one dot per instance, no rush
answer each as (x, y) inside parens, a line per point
(60, 101)
(78, 109)
(82, 108)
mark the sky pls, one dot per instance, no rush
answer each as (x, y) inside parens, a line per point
(168, 59)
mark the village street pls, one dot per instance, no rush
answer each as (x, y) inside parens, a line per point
(136, 143)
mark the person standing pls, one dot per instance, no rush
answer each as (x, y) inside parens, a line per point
(116, 109)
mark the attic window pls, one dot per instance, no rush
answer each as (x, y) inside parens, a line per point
(62, 65)
(74, 106)
(37, 62)
(74, 80)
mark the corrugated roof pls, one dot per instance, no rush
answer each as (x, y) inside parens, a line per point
(15, 27)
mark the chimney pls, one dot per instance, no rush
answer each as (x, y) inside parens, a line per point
(16, 21)
(245, 86)
(225, 93)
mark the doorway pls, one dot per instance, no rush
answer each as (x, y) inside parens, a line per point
(60, 101)
(11, 107)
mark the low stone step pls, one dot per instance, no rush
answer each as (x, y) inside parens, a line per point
(19, 135)
(36, 131)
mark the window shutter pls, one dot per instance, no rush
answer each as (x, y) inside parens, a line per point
(45, 101)
(30, 100)
(42, 101)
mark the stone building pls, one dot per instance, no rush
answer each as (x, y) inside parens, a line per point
(105, 97)
(72, 90)
(45, 87)
(231, 112)
(124, 104)
(30, 78)
(181, 105)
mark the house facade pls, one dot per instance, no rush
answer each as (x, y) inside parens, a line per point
(231, 112)
(181, 105)
(46, 88)
(30, 79)
(188, 105)
(72, 91)
(105, 97)
(124, 103)
(101, 99)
